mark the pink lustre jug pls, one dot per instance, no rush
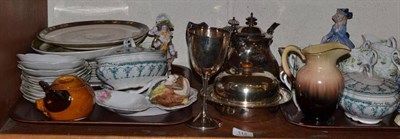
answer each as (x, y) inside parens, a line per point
(319, 82)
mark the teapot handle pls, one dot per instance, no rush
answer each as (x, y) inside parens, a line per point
(285, 54)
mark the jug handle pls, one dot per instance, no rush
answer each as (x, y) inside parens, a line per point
(393, 42)
(371, 62)
(396, 55)
(285, 54)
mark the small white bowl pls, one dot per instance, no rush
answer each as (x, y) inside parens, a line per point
(122, 102)
(31, 57)
(51, 66)
(53, 73)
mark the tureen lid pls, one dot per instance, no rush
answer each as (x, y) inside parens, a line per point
(361, 83)
(366, 82)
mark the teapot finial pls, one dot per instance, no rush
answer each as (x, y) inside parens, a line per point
(251, 26)
(251, 21)
(234, 25)
(233, 22)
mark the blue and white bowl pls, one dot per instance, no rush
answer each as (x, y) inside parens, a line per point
(368, 99)
(131, 70)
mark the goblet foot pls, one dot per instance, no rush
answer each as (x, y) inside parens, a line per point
(203, 122)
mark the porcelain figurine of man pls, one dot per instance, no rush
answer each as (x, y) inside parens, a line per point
(163, 33)
(339, 32)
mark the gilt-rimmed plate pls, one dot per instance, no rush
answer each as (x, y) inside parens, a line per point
(97, 33)
(46, 48)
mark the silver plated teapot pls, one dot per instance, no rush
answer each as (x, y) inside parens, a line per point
(250, 73)
(251, 45)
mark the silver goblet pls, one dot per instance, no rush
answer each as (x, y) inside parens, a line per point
(208, 48)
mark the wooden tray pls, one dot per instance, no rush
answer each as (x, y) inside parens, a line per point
(340, 121)
(25, 111)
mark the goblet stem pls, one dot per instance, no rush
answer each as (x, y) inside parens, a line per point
(204, 94)
(202, 120)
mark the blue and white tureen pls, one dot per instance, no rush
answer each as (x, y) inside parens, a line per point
(367, 98)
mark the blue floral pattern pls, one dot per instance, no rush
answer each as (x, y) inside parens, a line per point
(110, 71)
(368, 108)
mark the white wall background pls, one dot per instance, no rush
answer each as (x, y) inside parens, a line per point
(303, 22)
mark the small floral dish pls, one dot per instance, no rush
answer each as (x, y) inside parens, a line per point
(122, 102)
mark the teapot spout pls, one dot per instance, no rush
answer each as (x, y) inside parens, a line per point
(322, 48)
(271, 29)
(55, 100)
(333, 50)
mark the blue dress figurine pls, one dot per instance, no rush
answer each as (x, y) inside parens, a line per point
(338, 32)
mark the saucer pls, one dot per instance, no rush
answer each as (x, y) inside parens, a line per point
(122, 102)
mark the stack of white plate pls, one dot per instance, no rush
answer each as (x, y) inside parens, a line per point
(89, 39)
(36, 67)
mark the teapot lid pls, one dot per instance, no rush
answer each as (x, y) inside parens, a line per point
(251, 28)
(361, 83)
(66, 82)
